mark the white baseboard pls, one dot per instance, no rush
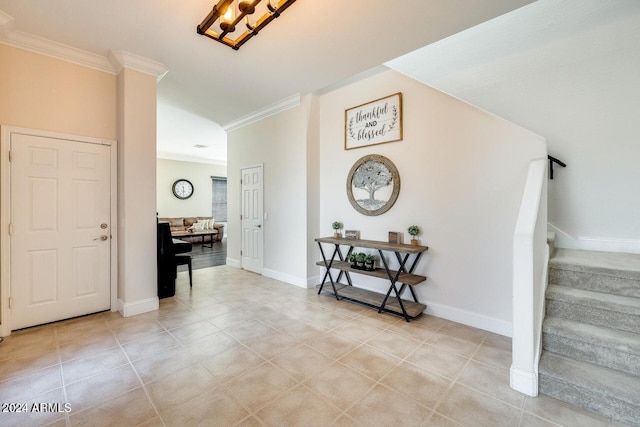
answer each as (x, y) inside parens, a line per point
(469, 318)
(629, 246)
(524, 382)
(313, 281)
(565, 240)
(138, 307)
(284, 277)
(476, 320)
(235, 263)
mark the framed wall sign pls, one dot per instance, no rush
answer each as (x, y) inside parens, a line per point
(375, 122)
(373, 185)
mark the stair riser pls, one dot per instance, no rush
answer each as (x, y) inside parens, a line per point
(595, 282)
(582, 351)
(594, 316)
(602, 403)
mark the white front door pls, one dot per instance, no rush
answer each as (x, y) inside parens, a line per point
(60, 229)
(252, 216)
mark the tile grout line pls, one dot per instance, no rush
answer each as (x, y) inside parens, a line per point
(89, 355)
(67, 417)
(144, 387)
(454, 380)
(379, 382)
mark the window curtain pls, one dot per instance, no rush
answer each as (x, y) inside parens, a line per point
(219, 198)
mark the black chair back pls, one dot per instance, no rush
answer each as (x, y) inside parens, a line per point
(166, 262)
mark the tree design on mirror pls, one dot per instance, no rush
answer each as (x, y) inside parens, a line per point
(373, 185)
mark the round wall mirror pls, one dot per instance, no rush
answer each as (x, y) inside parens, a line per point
(373, 185)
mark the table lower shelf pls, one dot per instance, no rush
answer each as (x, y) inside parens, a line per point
(374, 299)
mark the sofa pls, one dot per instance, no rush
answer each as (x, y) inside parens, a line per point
(180, 228)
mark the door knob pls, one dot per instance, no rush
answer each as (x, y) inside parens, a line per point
(103, 237)
(259, 225)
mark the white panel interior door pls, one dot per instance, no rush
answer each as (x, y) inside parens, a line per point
(61, 231)
(252, 216)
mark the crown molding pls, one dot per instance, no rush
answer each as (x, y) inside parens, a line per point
(55, 50)
(120, 59)
(6, 24)
(113, 64)
(11, 37)
(270, 110)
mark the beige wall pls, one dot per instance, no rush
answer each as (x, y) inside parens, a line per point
(279, 143)
(39, 92)
(199, 174)
(137, 232)
(462, 177)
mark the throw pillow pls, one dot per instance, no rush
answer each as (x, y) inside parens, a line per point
(208, 223)
(198, 226)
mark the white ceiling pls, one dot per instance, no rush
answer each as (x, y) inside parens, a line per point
(543, 52)
(568, 70)
(312, 45)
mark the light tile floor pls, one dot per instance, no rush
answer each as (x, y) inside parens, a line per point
(240, 349)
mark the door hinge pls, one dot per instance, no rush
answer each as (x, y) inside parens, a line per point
(241, 181)
(10, 302)
(10, 229)
(10, 155)
(240, 253)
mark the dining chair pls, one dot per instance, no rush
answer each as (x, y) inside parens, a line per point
(182, 259)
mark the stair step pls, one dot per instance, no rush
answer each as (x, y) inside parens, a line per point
(606, 347)
(595, 308)
(609, 272)
(609, 392)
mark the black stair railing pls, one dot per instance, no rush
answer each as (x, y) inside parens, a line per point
(553, 160)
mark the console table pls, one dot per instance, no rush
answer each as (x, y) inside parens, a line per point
(403, 275)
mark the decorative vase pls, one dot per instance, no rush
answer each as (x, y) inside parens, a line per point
(369, 266)
(414, 242)
(337, 235)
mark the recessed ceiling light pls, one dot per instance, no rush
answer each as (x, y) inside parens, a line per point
(200, 146)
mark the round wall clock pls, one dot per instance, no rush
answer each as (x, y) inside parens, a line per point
(182, 189)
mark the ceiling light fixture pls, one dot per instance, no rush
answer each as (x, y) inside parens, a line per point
(232, 12)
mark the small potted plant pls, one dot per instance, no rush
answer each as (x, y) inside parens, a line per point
(360, 259)
(369, 262)
(353, 256)
(414, 230)
(337, 226)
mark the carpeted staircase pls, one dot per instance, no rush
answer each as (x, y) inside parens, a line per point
(591, 333)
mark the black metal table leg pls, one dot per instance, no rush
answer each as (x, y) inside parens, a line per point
(393, 281)
(346, 273)
(327, 265)
(411, 270)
